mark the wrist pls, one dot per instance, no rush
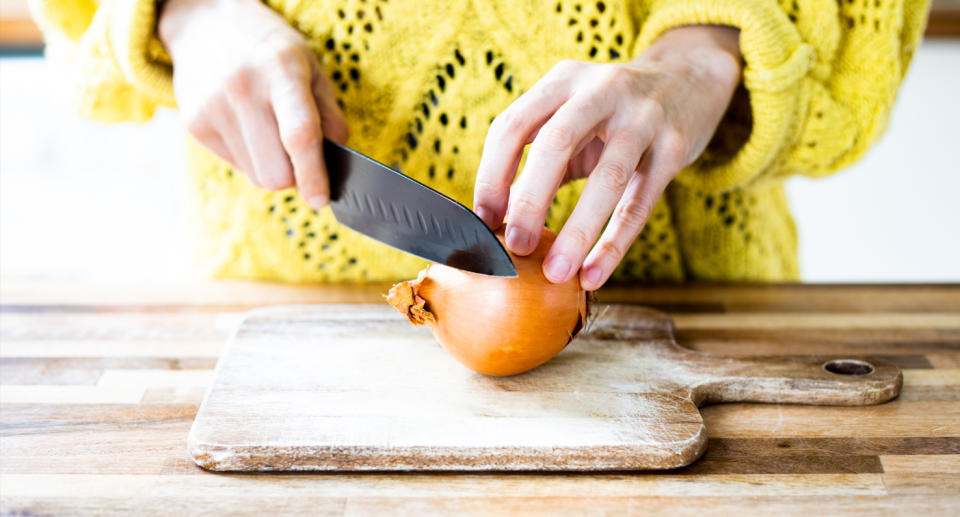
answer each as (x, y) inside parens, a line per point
(177, 16)
(712, 51)
(172, 18)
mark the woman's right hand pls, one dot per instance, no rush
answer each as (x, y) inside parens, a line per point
(251, 90)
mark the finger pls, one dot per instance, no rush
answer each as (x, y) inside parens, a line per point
(604, 189)
(302, 136)
(258, 128)
(213, 127)
(334, 123)
(228, 127)
(546, 167)
(208, 136)
(584, 160)
(629, 217)
(506, 138)
(262, 137)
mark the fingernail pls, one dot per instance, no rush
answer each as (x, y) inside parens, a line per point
(557, 268)
(318, 202)
(591, 277)
(486, 215)
(518, 239)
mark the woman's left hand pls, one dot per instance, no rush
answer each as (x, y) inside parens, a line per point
(629, 128)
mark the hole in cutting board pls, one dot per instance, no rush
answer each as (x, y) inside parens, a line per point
(848, 367)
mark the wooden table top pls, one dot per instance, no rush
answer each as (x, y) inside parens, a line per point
(99, 384)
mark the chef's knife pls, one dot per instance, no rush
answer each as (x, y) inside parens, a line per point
(383, 204)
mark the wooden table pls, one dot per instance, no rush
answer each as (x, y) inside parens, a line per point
(100, 384)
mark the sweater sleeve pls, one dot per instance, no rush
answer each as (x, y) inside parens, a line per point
(819, 80)
(112, 65)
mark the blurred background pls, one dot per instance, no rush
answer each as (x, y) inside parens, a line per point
(80, 200)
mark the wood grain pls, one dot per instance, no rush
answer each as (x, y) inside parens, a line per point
(944, 19)
(786, 460)
(355, 387)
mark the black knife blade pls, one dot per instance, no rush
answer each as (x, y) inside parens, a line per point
(381, 203)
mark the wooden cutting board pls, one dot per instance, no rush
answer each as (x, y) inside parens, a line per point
(356, 387)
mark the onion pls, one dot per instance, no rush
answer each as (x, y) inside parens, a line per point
(493, 325)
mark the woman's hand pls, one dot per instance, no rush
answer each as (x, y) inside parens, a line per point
(629, 128)
(251, 90)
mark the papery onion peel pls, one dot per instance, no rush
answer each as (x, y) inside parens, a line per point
(494, 325)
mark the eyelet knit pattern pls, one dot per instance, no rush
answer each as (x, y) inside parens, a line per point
(420, 83)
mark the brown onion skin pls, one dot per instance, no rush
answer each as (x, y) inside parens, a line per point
(504, 326)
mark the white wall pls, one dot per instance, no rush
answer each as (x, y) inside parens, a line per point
(895, 215)
(82, 200)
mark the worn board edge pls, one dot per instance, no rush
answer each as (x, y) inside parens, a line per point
(258, 458)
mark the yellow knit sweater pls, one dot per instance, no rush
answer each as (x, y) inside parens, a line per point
(420, 81)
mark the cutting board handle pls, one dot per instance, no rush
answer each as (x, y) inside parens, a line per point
(802, 379)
